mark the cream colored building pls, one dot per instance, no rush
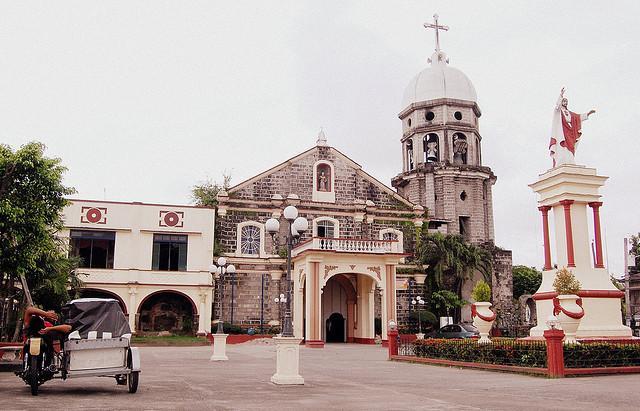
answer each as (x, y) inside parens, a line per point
(153, 258)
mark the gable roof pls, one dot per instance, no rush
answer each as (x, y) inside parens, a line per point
(383, 187)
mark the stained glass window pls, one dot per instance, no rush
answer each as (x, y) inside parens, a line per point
(250, 240)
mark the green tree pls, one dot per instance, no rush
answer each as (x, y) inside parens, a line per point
(206, 195)
(31, 203)
(526, 280)
(444, 301)
(449, 259)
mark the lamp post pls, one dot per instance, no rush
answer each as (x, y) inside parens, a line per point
(282, 299)
(419, 302)
(220, 338)
(288, 347)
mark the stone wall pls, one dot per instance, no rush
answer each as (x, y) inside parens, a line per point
(502, 288)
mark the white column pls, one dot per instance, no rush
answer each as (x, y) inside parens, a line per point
(202, 317)
(132, 309)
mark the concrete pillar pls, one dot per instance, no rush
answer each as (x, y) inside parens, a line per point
(566, 204)
(350, 320)
(390, 296)
(133, 309)
(314, 304)
(545, 236)
(595, 205)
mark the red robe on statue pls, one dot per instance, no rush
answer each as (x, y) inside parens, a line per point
(571, 132)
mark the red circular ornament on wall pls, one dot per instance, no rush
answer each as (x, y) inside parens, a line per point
(171, 219)
(94, 215)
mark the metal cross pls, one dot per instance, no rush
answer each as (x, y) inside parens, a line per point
(436, 27)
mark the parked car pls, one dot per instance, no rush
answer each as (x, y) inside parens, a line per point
(456, 331)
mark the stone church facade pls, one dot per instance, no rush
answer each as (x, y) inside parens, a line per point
(443, 182)
(360, 230)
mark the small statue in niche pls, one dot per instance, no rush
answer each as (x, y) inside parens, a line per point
(459, 149)
(432, 152)
(322, 182)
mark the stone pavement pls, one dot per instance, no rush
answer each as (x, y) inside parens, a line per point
(339, 376)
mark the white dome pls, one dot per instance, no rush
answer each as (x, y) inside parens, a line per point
(439, 81)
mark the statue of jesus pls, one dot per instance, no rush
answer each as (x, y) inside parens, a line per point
(565, 132)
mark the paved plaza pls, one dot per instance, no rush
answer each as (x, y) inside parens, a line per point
(339, 376)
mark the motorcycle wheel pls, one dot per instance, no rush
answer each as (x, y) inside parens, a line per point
(132, 381)
(33, 374)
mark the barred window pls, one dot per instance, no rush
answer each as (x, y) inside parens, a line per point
(250, 240)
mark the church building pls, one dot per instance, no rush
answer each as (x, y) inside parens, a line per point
(346, 280)
(353, 267)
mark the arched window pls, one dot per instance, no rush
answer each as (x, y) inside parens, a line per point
(460, 147)
(326, 227)
(431, 148)
(409, 155)
(391, 234)
(250, 239)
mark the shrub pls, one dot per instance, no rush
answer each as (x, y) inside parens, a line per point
(425, 317)
(592, 355)
(566, 282)
(233, 329)
(499, 351)
(481, 292)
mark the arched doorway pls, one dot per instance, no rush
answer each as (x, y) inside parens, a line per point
(338, 308)
(335, 328)
(97, 293)
(167, 311)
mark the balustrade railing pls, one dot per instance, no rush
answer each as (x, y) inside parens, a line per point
(349, 245)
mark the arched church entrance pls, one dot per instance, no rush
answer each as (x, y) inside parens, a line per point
(335, 328)
(338, 308)
(167, 311)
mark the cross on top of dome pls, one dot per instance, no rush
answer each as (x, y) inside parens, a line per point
(436, 27)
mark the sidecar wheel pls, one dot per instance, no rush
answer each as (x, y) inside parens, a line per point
(132, 380)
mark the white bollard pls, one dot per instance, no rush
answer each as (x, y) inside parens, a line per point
(219, 347)
(287, 361)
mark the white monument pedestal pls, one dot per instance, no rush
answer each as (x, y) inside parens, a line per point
(219, 347)
(287, 361)
(571, 193)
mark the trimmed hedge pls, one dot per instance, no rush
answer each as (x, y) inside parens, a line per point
(499, 351)
(596, 355)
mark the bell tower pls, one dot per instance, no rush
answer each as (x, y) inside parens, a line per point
(442, 166)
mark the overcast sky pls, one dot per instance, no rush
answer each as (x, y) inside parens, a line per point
(143, 99)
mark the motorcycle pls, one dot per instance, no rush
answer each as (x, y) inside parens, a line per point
(82, 354)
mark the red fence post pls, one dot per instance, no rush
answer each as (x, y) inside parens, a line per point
(393, 342)
(555, 353)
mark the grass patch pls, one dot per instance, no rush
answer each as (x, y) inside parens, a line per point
(169, 341)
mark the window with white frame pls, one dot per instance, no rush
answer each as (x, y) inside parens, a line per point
(250, 239)
(326, 227)
(391, 234)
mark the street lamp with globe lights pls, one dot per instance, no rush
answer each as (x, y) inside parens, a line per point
(418, 302)
(297, 226)
(288, 347)
(219, 271)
